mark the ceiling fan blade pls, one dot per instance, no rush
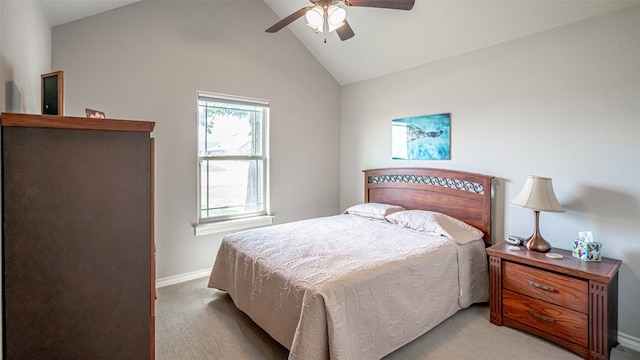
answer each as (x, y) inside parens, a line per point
(345, 32)
(288, 20)
(386, 4)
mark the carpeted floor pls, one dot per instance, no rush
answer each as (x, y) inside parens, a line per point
(194, 322)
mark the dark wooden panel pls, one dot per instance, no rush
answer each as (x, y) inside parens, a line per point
(76, 234)
(603, 322)
(152, 247)
(611, 322)
(495, 290)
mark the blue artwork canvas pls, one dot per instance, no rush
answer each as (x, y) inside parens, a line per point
(426, 137)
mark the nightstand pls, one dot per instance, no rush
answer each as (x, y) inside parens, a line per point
(570, 302)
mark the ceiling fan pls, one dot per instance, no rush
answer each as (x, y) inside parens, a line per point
(326, 15)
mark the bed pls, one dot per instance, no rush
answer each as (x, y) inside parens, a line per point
(361, 284)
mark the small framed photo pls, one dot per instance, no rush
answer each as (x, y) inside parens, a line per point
(53, 93)
(94, 114)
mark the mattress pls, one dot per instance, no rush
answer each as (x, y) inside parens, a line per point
(347, 286)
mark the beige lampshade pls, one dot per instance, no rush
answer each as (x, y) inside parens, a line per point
(537, 194)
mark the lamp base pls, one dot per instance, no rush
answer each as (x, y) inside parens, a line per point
(537, 243)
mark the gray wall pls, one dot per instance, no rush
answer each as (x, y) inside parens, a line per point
(148, 60)
(564, 104)
(25, 54)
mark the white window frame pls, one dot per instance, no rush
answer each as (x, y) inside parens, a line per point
(218, 224)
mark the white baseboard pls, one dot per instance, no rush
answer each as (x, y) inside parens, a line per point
(629, 342)
(176, 279)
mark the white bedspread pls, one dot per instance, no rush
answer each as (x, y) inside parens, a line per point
(348, 287)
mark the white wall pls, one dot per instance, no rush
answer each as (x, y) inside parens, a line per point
(564, 104)
(148, 60)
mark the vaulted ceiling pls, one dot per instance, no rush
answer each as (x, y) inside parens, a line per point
(388, 41)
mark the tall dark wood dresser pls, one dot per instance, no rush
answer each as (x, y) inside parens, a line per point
(77, 238)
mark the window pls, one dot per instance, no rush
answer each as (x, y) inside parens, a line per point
(232, 157)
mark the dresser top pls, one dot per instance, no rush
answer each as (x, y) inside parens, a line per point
(602, 271)
(78, 123)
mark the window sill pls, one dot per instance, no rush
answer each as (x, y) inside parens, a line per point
(232, 225)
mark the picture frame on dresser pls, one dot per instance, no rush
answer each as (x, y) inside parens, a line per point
(95, 114)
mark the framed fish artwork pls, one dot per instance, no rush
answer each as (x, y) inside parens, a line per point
(426, 137)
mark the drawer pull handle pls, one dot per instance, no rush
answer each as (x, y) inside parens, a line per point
(540, 286)
(540, 316)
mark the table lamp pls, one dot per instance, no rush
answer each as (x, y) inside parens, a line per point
(537, 195)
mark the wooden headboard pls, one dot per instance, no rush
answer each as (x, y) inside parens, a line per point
(462, 195)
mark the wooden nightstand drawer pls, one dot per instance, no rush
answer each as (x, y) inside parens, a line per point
(557, 289)
(552, 319)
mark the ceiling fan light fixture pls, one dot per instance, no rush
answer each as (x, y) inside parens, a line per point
(315, 18)
(336, 16)
(325, 16)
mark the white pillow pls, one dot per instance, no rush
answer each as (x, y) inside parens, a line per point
(373, 210)
(436, 223)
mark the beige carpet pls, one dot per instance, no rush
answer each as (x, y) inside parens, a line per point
(194, 322)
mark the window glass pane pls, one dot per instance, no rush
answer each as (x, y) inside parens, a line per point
(229, 129)
(231, 187)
